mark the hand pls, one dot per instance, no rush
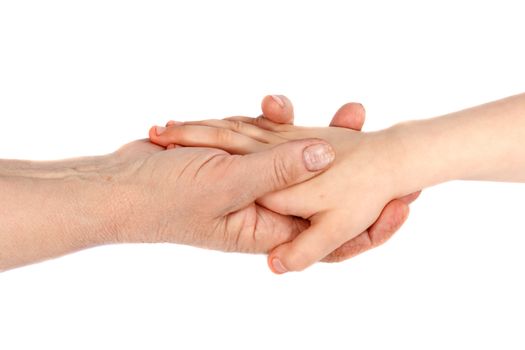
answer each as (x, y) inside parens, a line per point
(368, 156)
(279, 109)
(143, 193)
(205, 197)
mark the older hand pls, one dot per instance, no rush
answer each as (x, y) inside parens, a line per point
(206, 197)
(143, 193)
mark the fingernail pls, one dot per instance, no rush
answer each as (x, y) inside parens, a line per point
(318, 156)
(279, 100)
(278, 266)
(159, 130)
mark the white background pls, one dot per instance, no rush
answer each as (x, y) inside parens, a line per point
(84, 77)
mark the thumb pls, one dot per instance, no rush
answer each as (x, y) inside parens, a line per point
(350, 116)
(278, 109)
(280, 167)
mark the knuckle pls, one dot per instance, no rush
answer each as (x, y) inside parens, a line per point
(283, 173)
(223, 136)
(230, 239)
(236, 125)
(260, 121)
(240, 232)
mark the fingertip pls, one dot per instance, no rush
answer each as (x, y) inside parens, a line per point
(277, 259)
(399, 213)
(276, 266)
(267, 102)
(408, 199)
(350, 115)
(152, 132)
(288, 258)
(156, 137)
(277, 108)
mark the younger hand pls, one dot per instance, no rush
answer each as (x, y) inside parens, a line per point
(340, 204)
(279, 109)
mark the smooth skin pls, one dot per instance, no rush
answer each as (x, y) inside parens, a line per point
(371, 169)
(279, 109)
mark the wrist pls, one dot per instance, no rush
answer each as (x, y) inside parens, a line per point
(429, 152)
(393, 166)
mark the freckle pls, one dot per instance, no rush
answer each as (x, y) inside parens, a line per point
(109, 178)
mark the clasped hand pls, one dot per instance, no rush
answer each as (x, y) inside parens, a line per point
(324, 218)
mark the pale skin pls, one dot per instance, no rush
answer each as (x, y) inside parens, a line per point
(480, 143)
(49, 209)
(279, 109)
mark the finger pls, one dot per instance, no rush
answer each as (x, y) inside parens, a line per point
(263, 123)
(389, 221)
(170, 123)
(350, 115)
(173, 122)
(411, 197)
(290, 201)
(312, 245)
(270, 230)
(205, 136)
(241, 127)
(282, 166)
(351, 248)
(277, 108)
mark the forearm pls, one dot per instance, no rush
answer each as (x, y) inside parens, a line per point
(48, 209)
(481, 143)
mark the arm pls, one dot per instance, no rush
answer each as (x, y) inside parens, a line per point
(49, 209)
(481, 143)
(52, 208)
(373, 168)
